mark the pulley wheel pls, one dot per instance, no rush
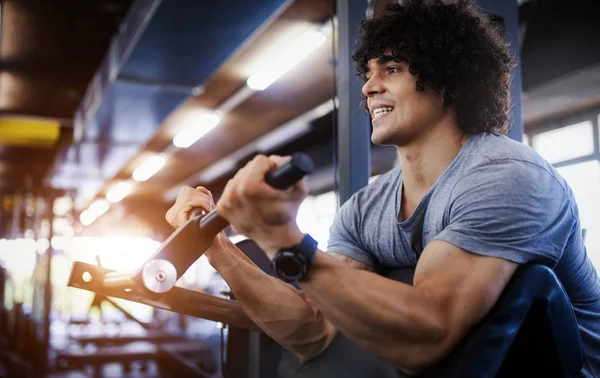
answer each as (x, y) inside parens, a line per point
(159, 276)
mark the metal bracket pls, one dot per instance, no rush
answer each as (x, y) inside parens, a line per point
(188, 302)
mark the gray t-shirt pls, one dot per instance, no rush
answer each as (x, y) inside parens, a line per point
(497, 198)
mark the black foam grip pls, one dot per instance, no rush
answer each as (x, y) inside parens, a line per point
(280, 178)
(291, 172)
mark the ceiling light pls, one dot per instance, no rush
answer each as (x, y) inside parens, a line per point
(149, 167)
(118, 191)
(198, 127)
(86, 218)
(286, 60)
(62, 206)
(99, 207)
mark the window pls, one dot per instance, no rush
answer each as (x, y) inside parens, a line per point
(584, 180)
(315, 216)
(576, 141)
(565, 143)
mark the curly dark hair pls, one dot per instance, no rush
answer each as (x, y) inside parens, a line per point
(450, 47)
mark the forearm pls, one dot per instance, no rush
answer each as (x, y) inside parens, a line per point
(387, 318)
(279, 309)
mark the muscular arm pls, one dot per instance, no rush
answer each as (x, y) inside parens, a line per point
(411, 326)
(280, 310)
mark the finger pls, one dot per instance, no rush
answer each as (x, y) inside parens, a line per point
(190, 198)
(279, 160)
(229, 199)
(204, 190)
(207, 192)
(201, 201)
(299, 190)
(255, 186)
(174, 214)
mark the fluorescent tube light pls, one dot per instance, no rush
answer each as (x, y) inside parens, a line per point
(199, 126)
(118, 191)
(86, 218)
(286, 60)
(99, 207)
(149, 167)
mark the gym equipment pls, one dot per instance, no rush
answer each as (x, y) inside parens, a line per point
(153, 333)
(532, 327)
(530, 332)
(128, 354)
(157, 276)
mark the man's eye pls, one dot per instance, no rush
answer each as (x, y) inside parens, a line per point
(392, 69)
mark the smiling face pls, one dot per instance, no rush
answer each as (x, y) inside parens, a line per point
(400, 112)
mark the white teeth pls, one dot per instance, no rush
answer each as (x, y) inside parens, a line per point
(380, 111)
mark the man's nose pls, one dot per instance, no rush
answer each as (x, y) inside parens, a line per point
(372, 86)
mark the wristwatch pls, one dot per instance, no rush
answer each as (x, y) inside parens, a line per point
(292, 264)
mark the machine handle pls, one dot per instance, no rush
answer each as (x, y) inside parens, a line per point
(280, 178)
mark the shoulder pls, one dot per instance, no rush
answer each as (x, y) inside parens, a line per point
(496, 160)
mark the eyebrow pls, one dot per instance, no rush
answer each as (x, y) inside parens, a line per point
(387, 58)
(383, 59)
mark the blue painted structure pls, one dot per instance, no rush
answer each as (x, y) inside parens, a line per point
(165, 49)
(509, 11)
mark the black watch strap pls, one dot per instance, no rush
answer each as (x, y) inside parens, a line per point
(307, 248)
(292, 264)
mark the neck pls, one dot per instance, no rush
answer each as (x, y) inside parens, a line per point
(425, 159)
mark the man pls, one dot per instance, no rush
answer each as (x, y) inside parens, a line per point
(466, 206)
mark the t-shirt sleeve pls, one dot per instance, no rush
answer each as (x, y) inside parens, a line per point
(513, 210)
(344, 233)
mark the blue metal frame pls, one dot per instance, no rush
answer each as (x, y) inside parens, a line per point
(354, 142)
(509, 11)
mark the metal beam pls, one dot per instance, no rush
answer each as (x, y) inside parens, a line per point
(353, 153)
(509, 11)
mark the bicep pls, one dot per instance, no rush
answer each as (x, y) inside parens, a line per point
(462, 287)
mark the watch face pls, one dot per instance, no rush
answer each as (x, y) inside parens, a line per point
(289, 266)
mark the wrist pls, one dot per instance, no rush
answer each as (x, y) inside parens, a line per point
(293, 263)
(287, 239)
(221, 246)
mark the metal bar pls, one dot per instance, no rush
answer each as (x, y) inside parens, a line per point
(48, 284)
(595, 118)
(579, 160)
(178, 365)
(253, 355)
(509, 11)
(118, 280)
(354, 162)
(178, 300)
(144, 325)
(163, 86)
